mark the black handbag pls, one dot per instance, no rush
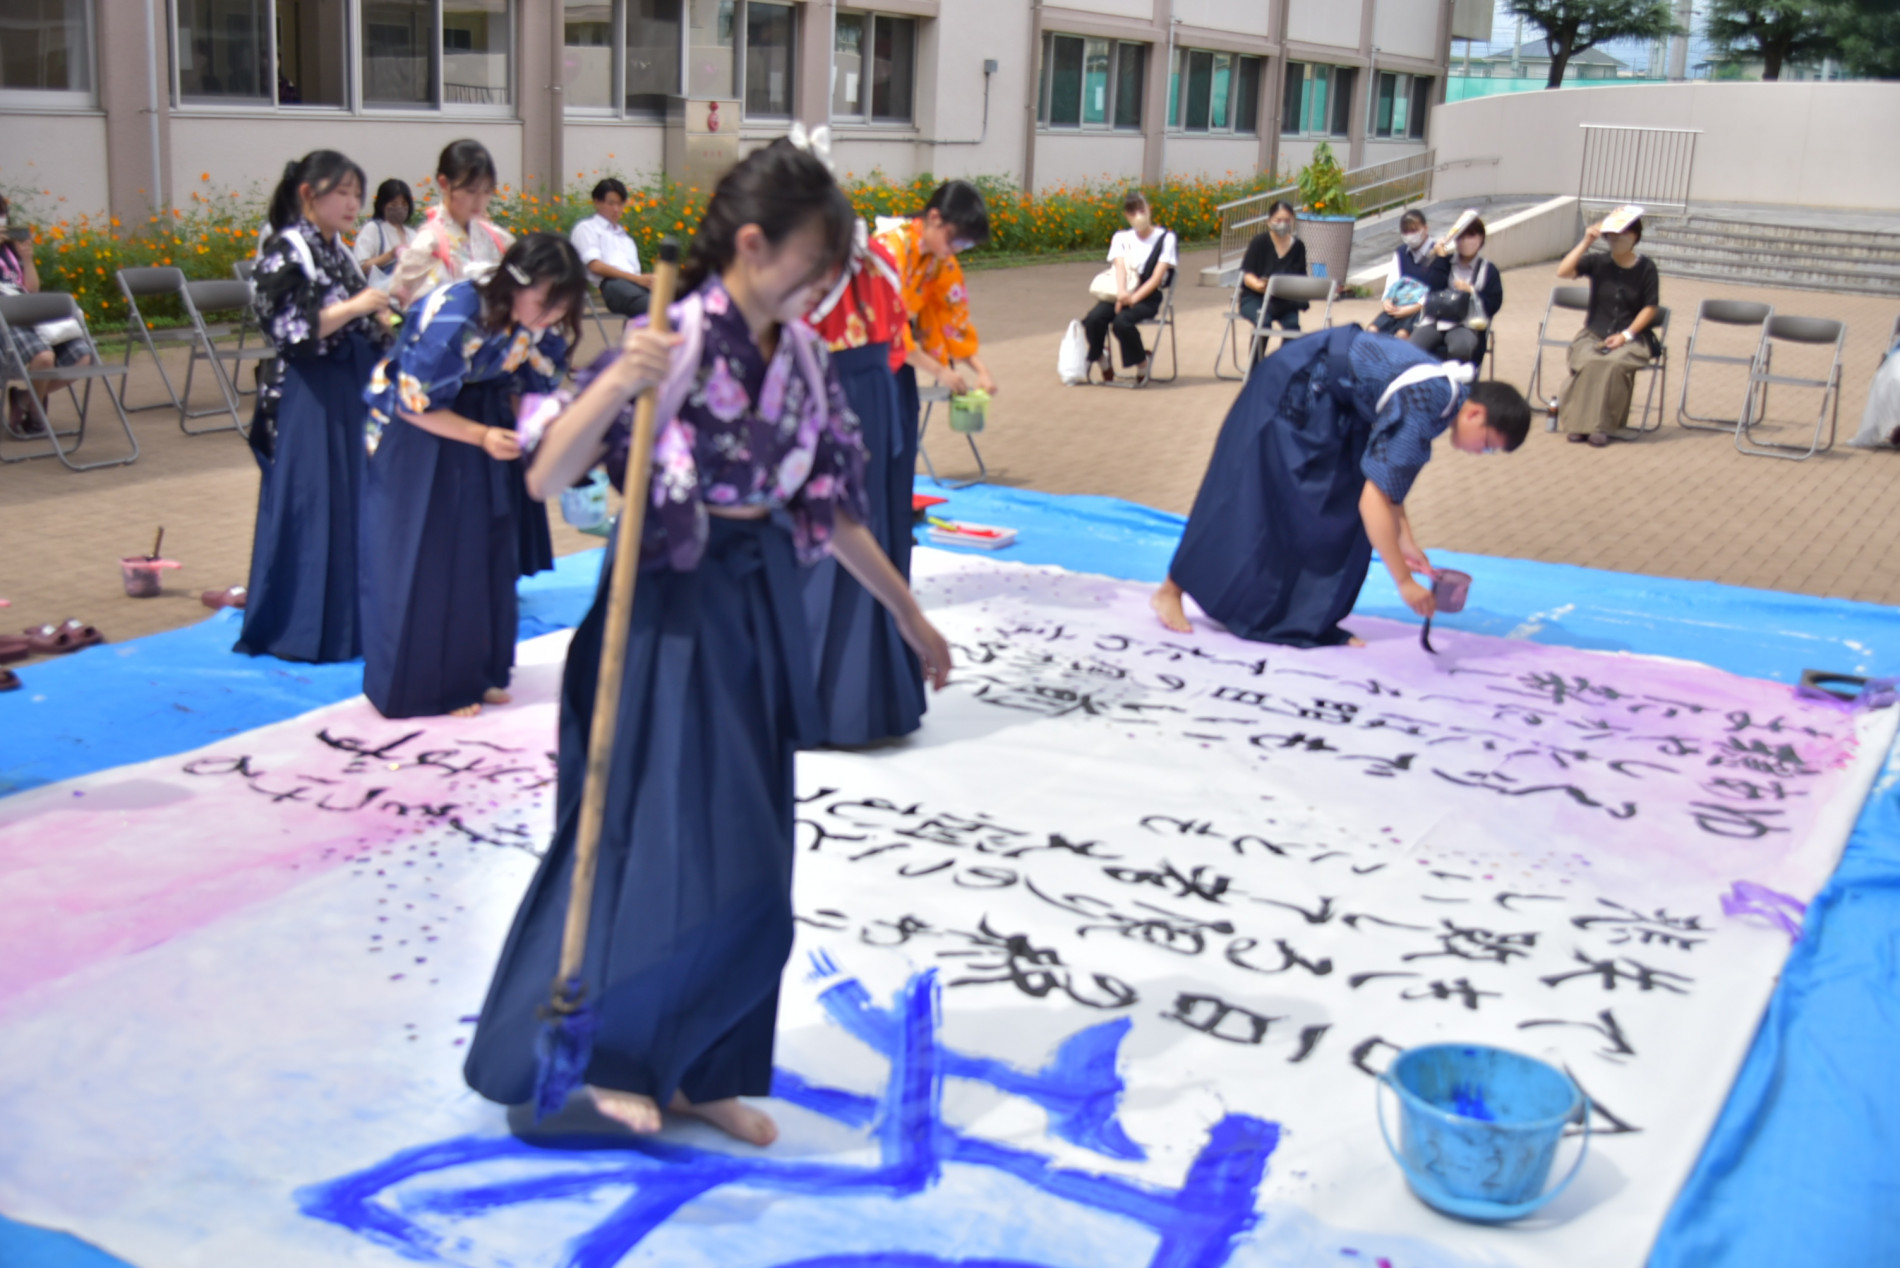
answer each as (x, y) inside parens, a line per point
(1448, 305)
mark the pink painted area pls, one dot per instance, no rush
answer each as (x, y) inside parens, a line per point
(114, 863)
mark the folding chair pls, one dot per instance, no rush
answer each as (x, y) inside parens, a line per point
(1803, 330)
(33, 310)
(1893, 341)
(1571, 299)
(930, 394)
(1723, 312)
(222, 297)
(217, 297)
(596, 313)
(1279, 286)
(244, 271)
(1161, 323)
(1658, 371)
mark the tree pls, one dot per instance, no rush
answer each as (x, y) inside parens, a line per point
(1572, 26)
(1868, 32)
(1779, 32)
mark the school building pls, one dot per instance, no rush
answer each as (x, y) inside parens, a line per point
(105, 101)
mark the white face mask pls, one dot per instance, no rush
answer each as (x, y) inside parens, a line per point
(1413, 240)
(1281, 228)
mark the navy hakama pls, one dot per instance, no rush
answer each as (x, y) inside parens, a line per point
(302, 593)
(494, 407)
(439, 568)
(692, 916)
(1275, 549)
(870, 682)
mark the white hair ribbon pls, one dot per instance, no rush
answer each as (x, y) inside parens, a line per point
(816, 142)
(514, 271)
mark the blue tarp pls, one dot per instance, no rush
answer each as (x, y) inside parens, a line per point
(1803, 1166)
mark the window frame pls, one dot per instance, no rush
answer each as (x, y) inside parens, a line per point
(1112, 92)
(355, 42)
(1337, 99)
(864, 117)
(741, 48)
(64, 99)
(1406, 87)
(617, 107)
(1181, 87)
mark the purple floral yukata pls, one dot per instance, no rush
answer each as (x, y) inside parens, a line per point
(290, 304)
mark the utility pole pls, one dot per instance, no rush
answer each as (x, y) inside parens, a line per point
(1679, 44)
(1517, 50)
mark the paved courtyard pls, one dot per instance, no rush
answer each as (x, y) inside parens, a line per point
(1673, 503)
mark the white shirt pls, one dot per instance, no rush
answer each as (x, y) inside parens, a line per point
(1126, 246)
(375, 238)
(598, 238)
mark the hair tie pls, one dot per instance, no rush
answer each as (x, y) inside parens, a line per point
(816, 142)
(514, 271)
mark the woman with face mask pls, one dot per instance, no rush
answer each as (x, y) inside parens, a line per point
(1625, 293)
(1144, 257)
(1413, 260)
(1277, 251)
(1464, 270)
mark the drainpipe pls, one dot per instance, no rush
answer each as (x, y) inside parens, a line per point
(151, 105)
(1167, 78)
(1034, 95)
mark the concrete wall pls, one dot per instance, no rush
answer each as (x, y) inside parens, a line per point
(1245, 17)
(1406, 28)
(240, 152)
(1329, 21)
(37, 152)
(1807, 143)
(613, 147)
(1213, 156)
(1066, 159)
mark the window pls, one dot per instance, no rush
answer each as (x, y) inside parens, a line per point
(475, 52)
(399, 53)
(1318, 100)
(873, 67)
(312, 59)
(1214, 92)
(46, 47)
(587, 56)
(653, 61)
(1091, 83)
(222, 51)
(743, 49)
(1400, 112)
(621, 56)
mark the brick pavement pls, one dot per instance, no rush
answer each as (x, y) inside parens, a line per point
(1675, 503)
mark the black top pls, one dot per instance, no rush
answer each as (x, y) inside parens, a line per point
(1617, 294)
(1263, 261)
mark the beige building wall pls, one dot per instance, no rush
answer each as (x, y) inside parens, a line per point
(612, 147)
(1331, 22)
(240, 152)
(63, 153)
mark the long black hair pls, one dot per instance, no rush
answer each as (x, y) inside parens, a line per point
(960, 205)
(531, 260)
(779, 188)
(323, 171)
(388, 192)
(466, 162)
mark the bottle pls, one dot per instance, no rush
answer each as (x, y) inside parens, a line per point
(1550, 415)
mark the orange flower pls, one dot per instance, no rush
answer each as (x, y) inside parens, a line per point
(204, 176)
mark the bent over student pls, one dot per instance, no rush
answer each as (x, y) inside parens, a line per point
(757, 466)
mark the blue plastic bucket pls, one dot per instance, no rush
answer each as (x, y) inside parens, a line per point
(1479, 1128)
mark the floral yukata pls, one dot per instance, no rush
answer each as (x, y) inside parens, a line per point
(293, 287)
(934, 295)
(867, 306)
(443, 252)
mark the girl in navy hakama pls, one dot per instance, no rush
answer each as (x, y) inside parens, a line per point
(439, 612)
(870, 685)
(757, 468)
(315, 307)
(1311, 471)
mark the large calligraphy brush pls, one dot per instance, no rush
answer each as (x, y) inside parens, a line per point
(566, 1041)
(1449, 588)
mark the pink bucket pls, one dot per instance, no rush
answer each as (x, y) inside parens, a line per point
(141, 575)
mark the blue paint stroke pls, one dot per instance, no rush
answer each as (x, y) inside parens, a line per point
(1198, 1225)
(1467, 1100)
(1784, 911)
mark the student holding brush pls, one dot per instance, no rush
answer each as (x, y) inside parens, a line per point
(758, 464)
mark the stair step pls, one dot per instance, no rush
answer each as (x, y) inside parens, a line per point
(1775, 262)
(1782, 233)
(1800, 281)
(1849, 252)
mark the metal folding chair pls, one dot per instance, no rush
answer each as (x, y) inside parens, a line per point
(201, 337)
(33, 310)
(1761, 376)
(244, 270)
(1279, 286)
(1571, 299)
(1658, 372)
(1161, 323)
(1722, 312)
(223, 297)
(930, 394)
(597, 313)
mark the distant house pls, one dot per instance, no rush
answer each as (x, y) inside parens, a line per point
(1534, 61)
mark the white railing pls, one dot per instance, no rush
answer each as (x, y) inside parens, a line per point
(1374, 188)
(1650, 166)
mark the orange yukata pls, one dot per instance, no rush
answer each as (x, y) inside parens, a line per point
(867, 305)
(934, 295)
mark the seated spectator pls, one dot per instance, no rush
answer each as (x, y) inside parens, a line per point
(379, 242)
(19, 276)
(1463, 270)
(1275, 251)
(608, 251)
(1143, 256)
(1413, 260)
(1880, 421)
(1616, 339)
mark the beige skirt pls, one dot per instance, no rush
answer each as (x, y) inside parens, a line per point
(1597, 397)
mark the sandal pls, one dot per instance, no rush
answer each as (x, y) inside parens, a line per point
(9, 681)
(229, 597)
(1598, 440)
(1141, 372)
(1107, 366)
(69, 636)
(14, 647)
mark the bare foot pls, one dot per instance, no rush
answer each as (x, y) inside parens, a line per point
(630, 1109)
(732, 1116)
(495, 695)
(466, 711)
(1353, 640)
(1166, 601)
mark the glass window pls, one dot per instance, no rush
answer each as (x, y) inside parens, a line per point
(1247, 95)
(1401, 106)
(587, 55)
(222, 53)
(1421, 102)
(893, 68)
(1382, 116)
(1220, 92)
(475, 40)
(1319, 82)
(1095, 81)
(1131, 68)
(1293, 100)
(653, 55)
(712, 69)
(1065, 81)
(1343, 79)
(1174, 93)
(847, 64)
(1200, 80)
(768, 59)
(399, 52)
(45, 45)
(312, 62)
